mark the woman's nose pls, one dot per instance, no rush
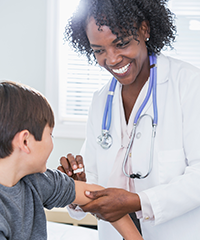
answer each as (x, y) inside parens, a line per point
(113, 57)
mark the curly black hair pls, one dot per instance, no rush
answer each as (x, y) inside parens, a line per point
(123, 17)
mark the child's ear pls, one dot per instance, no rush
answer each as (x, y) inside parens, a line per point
(23, 139)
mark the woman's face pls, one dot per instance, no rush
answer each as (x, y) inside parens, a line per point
(124, 58)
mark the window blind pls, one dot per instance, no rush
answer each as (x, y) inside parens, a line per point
(187, 44)
(78, 83)
(78, 80)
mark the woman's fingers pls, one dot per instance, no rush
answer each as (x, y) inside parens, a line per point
(65, 166)
(73, 167)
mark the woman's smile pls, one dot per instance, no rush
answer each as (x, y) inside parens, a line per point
(121, 70)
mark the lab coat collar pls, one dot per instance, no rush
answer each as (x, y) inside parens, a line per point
(116, 112)
(162, 77)
(162, 68)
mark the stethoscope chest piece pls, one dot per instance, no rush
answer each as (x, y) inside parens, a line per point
(105, 140)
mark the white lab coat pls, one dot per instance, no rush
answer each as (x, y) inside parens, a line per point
(173, 187)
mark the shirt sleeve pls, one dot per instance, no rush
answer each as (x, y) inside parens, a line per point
(2, 236)
(147, 212)
(63, 191)
(55, 188)
(5, 227)
(179, 194)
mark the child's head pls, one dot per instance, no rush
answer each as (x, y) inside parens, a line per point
(21, 108)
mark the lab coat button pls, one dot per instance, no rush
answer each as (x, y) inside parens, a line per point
(138, 135)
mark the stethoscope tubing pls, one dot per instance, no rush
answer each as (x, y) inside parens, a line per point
(145, 100)
(105, 140)
(108, 107)
(155, 109)
(152, 88)
(138, 175)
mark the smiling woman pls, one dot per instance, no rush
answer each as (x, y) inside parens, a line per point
(125, 57)
(72, 89)
(126, 38)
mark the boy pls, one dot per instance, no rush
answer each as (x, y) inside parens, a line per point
(26, 186)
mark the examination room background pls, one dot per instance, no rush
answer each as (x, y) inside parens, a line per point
(23, 55)
(24, 42)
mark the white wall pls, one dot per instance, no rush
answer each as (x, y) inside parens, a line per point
(23, 52)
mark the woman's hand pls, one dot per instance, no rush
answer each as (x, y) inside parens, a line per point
(71, 163)
(112, 203)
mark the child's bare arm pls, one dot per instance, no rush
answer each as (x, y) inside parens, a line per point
(124, 226)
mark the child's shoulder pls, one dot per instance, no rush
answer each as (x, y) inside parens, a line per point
(39, 178)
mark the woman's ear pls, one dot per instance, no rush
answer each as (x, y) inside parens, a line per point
(22, 140)
(145, 30)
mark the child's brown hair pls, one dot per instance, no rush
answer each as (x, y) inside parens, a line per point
(21, 108)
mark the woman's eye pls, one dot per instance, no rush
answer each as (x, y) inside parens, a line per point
(123, 44)
(98, 51)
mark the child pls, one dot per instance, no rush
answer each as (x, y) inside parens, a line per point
(26, 186)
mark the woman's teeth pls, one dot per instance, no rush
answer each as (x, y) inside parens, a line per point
(121, 70)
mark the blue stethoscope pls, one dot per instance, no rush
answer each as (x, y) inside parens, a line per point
(105, 139)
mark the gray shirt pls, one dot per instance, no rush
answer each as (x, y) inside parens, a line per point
(21, 206)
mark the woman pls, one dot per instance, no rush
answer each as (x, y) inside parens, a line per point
(122, 36)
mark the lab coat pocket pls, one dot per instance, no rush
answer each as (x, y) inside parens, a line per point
(171, 164)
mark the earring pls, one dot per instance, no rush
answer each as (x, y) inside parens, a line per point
(147, 39)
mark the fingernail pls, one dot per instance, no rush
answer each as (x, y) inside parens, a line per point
(74, 167)
(80, 165)
(87, 193)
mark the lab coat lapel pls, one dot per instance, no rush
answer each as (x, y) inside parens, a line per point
(147, 106)
(116, 127)
(162, 76)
